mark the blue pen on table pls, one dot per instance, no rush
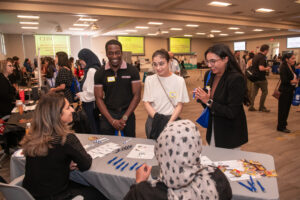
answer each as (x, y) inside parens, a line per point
(261, 187)
(247, 187)
(139, 167)
(120, 165)
(124, 167)
(252, 186)
(112, 160)
(118, 161)
(252, 183)
(133, 166)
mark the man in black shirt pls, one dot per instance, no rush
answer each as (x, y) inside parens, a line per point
(260, 65)
(117, 92)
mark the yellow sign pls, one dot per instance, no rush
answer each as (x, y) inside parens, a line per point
(180, 45)
(50, 44)
(133, 44)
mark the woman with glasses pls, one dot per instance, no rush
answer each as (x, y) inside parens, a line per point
(8, 91)
(164, 94)
(225, 94)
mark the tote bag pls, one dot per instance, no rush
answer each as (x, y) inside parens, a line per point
(296, 99)
(204, 117)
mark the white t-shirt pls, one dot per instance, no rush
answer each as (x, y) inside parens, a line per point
(154, 93)
(87, 94)
(174, 66)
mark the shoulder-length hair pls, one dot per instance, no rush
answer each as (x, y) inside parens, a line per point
(63, 59)
(46, 125)
(223, 51)
(3, 64)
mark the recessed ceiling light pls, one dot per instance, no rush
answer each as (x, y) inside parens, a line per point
(142, 27)
(152, 34)
(233, 28)
(87, 19)
(176, 29)
(223, 34)
(155, 23)
(163, 32)
(82, 25)
(264, 10)
(28, 27)
(257, 29)
(132, 31)
(29, 23)
(200, 33)
(239, 32)
(28, 16)
(219, 4)
(215, 31)
(76, 29)
(188, 35)
(192, 25)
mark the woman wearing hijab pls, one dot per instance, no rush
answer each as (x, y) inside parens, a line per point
(182, 176)
(90, 62)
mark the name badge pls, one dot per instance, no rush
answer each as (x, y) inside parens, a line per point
(111, 79)
(172, 94)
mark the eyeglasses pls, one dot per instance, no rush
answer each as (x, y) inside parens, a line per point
(112, 53)
(212, 61)
(9, 65)
(158, 64)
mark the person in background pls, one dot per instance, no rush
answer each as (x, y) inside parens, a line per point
(164, 94)
(117, 92)
(35, 63)
(27, 65)
(103, 62)
(52, 150)
(51, 71)
(78, 71)
(64, 77)
(16, 77)
(182, 175)
(287, 86)
(174, 64)
(72, 65)
(225, 96)
(138, 65)
(260, 65)
(90, 63)
(8, 91)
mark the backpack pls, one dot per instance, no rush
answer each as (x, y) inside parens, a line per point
(75, 87)
(251, 74)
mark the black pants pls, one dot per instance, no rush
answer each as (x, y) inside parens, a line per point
(107, 129)
(89, 108)
(284, 105)
(75, 189)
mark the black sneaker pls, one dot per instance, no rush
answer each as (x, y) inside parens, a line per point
(264, 110)
(285, 130)
(251, 109)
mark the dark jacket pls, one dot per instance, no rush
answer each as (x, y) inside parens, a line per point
(286, 76)
(7, 96)
(158, 125)
(227, 111)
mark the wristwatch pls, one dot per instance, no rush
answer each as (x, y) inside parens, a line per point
(209, 102)
(125, 117)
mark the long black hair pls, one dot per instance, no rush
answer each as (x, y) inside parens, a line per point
(63, 59)
(223, 51)
(286, 56)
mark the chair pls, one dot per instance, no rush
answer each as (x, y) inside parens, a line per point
(13, 190)
(3, 152)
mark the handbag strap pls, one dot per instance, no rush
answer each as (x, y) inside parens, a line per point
(208, 78)
(277, 86)
(165, 91)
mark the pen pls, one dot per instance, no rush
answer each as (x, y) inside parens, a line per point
(253, 184)
(112, 160)
(138, 167)
(247, 187)
(124, 166)
(120, 165)
(261, 187)
(118, 161)
(133, 166)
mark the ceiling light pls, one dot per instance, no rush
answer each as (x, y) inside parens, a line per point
(87, 19)
(29, 23)
(264, 10)
(239, 32)
(215, 31)
(176, 29)
(155, 23)
(132, 31)
(219, 4)
(153, 34)
(211, 35)
(188, 35)
(76, 29)
(257, 29)
(233, 28)
(122, 33)
(81, 25)
(29, 27)
(200, 33)
(142, 27)
(192, 25)
(28, 16)
(223, 34)
(163, 32)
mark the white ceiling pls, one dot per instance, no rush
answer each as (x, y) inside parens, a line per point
(117, 16)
